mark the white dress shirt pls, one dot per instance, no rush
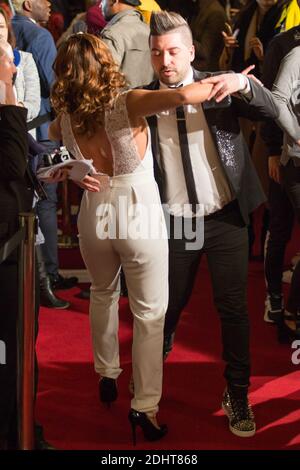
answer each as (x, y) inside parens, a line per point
(211, 183)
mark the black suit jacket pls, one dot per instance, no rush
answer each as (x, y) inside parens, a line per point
(230, 144)
(15, 188)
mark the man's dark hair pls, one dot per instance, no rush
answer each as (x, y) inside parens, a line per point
(166, 22)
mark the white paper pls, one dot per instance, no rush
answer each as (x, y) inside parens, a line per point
(79, 169)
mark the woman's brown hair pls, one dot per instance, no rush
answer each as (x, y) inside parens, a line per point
(11, 37)
(87, 81)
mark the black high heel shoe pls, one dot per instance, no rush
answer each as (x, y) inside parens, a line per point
(151, 432)
(108, 391)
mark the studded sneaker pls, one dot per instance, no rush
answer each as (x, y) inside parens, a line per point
(239, 412)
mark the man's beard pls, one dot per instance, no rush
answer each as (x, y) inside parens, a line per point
(171, 80)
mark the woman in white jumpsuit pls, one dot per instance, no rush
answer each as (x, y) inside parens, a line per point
(121, 221)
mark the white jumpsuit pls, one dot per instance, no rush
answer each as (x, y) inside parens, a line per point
(123, 225)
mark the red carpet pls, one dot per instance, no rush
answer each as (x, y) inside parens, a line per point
(73, 417)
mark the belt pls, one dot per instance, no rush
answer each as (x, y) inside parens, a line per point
(232, 205)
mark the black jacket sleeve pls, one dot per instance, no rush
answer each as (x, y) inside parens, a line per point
(14, 143)
(260, 107)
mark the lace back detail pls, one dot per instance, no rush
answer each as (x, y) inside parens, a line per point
(124, 149)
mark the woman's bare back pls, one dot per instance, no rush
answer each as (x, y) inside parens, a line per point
(116, 148)
(97, 148)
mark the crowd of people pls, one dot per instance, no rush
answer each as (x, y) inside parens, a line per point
(189, 112)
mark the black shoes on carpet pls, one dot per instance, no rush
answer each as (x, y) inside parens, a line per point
(47, 296)
(108, 391)
(58, 282)
(49, 283)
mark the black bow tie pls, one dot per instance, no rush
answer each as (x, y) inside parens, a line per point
(176, 86)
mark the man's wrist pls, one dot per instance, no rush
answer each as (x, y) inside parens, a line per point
(244, 83)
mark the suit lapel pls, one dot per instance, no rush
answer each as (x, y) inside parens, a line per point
(152, 122)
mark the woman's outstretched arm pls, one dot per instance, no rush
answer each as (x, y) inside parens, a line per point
(142, 103)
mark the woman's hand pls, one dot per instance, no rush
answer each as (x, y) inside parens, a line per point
(89, 183)
(257, 47)
(230, 41)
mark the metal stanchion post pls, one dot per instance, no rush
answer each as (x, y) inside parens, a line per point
(26, 334)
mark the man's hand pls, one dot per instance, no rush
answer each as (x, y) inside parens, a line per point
(250, 75)
(224, 85)
(274, 168)
(89, 183)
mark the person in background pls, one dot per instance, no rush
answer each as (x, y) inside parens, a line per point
(13, 187)
(286, 94)
(282, 213)
(207, 26)
(33, 38)
(147, 7)
(127, 36)
(16, 195)
(56, 23)
(245, 42)
(27, 88)
(91, 20)
(27, 82)
(290, 16)
(94, 19)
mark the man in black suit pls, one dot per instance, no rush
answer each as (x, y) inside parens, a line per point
(15, 196)
(202, 163)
